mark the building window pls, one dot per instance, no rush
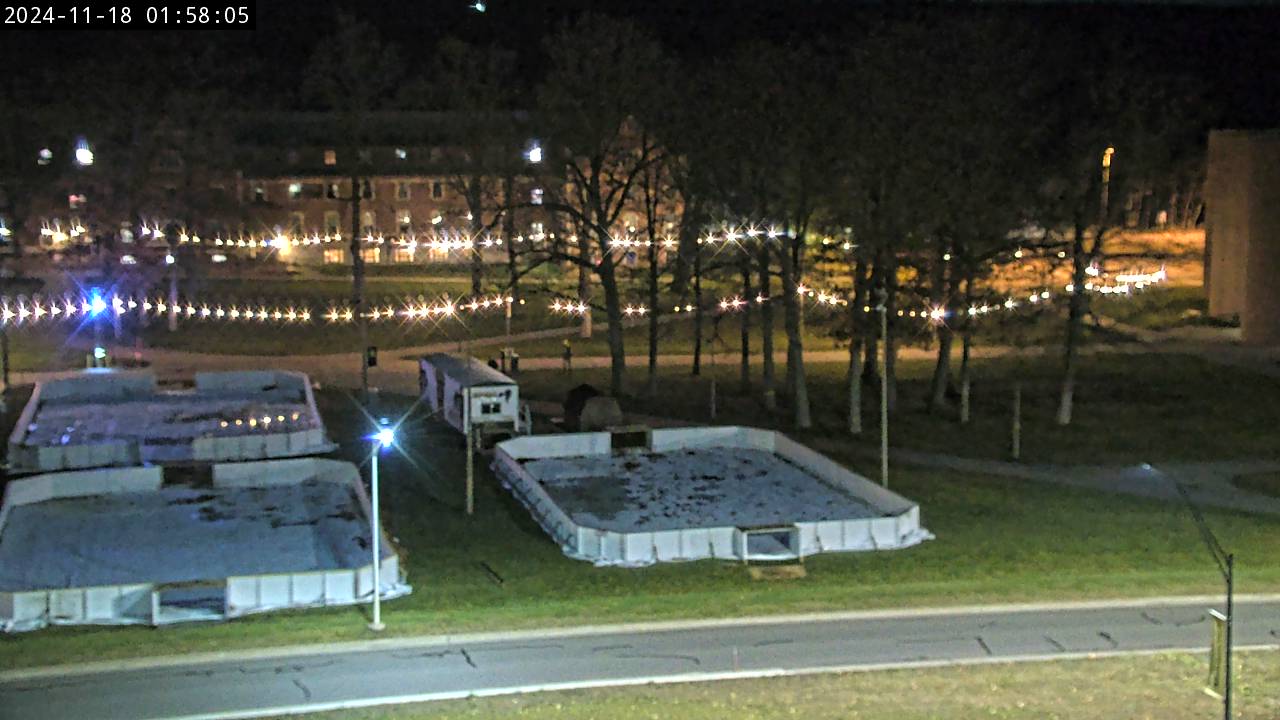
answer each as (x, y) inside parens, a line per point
(535, 196)
(402, 154)
(402, 255)
(330, 157)
(297, 223)
(331, 191)
(405, 220)
(490, 407)
(365, 156)
(535, 230)
(372, 255)
(366, 190)
(402, 191)
(331, 221)
(259, 193)
(437, 190)
(367, 222)
(333, 256)
(76, 201)
(295, 191)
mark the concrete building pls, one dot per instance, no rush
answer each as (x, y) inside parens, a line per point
(1242, 231)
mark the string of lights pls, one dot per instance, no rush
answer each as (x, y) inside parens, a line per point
(23, 311)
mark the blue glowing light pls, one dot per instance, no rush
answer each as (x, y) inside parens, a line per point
(386, 437)
(96, 303)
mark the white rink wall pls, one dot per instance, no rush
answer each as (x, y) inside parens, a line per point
(141, 603)
(99, 390)
(897, 526)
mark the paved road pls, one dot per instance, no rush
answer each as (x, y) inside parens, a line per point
(439, 669)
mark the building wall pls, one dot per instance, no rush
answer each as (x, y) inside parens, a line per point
(1242, 231)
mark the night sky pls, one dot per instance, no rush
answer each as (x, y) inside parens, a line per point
(1231, 50)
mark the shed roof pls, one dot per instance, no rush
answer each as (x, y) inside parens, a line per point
(468, 371)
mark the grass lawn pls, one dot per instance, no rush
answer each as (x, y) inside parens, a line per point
(1159, 308)
(1157, 687)
(676, 337)
(997, 541)
(1129, 408)
(46, 348)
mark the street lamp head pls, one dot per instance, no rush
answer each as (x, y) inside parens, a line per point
(96, 303)
(386, 437)
(84, 155)
(534, 153)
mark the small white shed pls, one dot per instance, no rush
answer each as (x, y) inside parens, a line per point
(468, 393)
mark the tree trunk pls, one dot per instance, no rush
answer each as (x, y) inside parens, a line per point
(966, 344)
(4, 366)
(856, 325)
(1075, 317)
(652, 385)
(584, 283)
(744, 372)
(613, 311)
(793, 305)
(357, 288)
(766, 331)
(891, 347)
(509, 234)
(697, 313)
(477, 260)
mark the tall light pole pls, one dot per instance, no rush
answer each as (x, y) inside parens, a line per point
(384, 438)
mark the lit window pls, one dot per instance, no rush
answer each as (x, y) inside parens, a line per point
(259, 194)
(371, 255)
(366, 190)
(76, 201)
(44, 157)
(218, 257)
(535, 196)
(331, 221)
(402, 191)
(331, 191)
(405, 219)
(297, 223)
(367, 222)
(535, 229)
(295, 191)
(333, 256)
(330, 157)
(402, 154)
(128, 260)
(402, 255)
(437, 190)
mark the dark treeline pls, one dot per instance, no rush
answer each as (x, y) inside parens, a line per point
(916, 138)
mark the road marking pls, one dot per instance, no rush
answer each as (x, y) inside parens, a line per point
(680, 678)
(412, 643)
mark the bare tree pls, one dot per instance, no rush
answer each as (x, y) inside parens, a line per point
(354, 74)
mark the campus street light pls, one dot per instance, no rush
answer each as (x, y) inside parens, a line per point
(383, 439)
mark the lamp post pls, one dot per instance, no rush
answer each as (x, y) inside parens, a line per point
(384, 438)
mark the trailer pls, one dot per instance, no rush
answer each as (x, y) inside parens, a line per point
(470, 394)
